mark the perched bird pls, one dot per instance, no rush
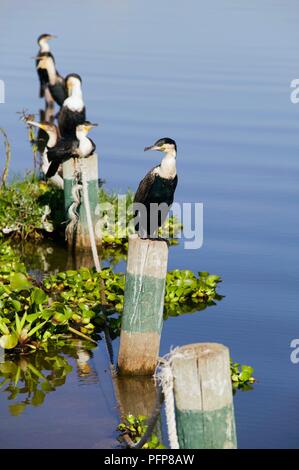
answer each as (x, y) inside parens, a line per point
(157, 187)
(53, 137)
(44, 49)
(56, 83)
(45, 116)
(72, 112)
(79, 146)
(50, 129)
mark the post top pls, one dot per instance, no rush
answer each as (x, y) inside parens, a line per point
(202, 349)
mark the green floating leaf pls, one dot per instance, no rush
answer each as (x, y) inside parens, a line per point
(38, 296)
(38, 398)
(17, 408)
(8, 367)
(8, 341)
(19, 281)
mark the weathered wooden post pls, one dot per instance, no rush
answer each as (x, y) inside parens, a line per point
(203, 397)
(143, 308)
(77, 233)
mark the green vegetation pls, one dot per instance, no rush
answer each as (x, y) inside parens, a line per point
(82, 286)
(27, 379)
(186, 293)
(21, 214)
(242, 378)
(28, 315)
(135, 427)
(71, 302)
(31, 209)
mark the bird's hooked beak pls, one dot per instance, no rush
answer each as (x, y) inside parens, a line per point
(51, 36)
(36, 124)
(152, 147)
(88, 127)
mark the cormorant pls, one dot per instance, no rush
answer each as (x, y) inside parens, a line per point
(157, 187)
(45, 116)
(72, 112)
(79, 146)
(44, 49)
(56, 83)
(53, 137)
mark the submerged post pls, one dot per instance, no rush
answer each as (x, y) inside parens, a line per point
(203, 397)
(77, 233)
(143, 308)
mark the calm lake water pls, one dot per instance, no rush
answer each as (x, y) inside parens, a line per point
(215, 76)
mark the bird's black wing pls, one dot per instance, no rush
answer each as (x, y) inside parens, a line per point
(144, 187)
(54, 165)
(93, 147)
(64, 150)
(44, 80)
(68, 120)
(175, 182)
(58, 91)
(42, 73)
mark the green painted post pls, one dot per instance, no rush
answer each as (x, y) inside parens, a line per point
(143, 308)
(203, 397)
(77, 235)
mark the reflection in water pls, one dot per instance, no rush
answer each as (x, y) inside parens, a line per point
(51, 257)
(87, 374)
(27, 379)
(137, 396)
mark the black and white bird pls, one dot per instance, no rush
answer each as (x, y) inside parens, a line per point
(79, 146)
(73, 111)
(156, 189)
(53, 137)
(56, 83)
(44, 49)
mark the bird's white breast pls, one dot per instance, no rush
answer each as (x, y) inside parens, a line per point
(74, 103)
(167, 168)
(85, 147)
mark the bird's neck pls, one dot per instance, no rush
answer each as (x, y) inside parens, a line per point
(77, 91)
(167, 167)
(51, 72)
(85, 144)
(52, 139)
(75, 100)
(44, 46)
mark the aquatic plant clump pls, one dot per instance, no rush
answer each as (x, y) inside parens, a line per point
(183, 288)
(31, 209)
(21, 214)
(71, 302)
(70, 305)
(242, 378)
(132, 428)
